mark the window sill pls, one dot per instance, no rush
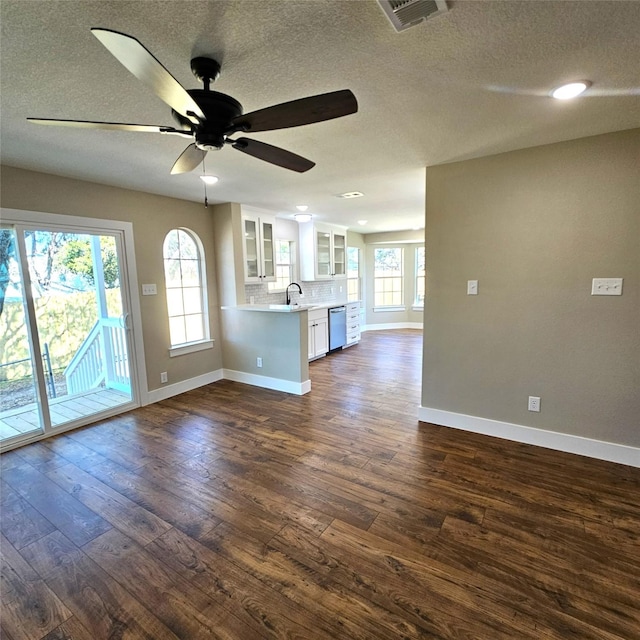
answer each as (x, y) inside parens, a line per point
(386, 309)
(417, 307)
(190, 347)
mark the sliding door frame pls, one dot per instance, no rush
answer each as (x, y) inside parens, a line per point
(28, 220)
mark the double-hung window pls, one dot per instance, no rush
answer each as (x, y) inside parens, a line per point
(420, 278)
(186, 290)
(284, 266)
(388, 278)
(353, 274)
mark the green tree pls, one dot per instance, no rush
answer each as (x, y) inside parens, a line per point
(76, 258)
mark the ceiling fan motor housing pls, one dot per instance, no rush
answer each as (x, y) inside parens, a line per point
(219, 110)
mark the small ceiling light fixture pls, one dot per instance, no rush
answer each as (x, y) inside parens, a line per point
(302, 217)
(351, 194)
(362, 222)
(209, 179)
(302, 207)
(571, 90)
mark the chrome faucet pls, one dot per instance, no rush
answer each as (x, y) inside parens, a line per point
(291, 285)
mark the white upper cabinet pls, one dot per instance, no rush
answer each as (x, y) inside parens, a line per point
(323, 251)
(259, 247)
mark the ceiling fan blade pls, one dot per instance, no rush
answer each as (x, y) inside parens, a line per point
(112, 126)
(274, 155)
(131, 53)
(318, 108)
(188, 160)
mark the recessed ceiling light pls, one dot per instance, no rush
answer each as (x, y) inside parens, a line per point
(571, 90)
(302, 207)
(351, 194)
(302, 217)
(362, 222)
(209, 179)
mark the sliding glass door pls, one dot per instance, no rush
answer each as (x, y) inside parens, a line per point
(65, 342)
(20, 417)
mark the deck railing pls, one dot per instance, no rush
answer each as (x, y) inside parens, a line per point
(101, 359)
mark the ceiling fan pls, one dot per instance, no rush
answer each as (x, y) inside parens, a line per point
(210, 117)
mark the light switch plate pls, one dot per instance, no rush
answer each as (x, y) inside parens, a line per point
(472, 287)
(606, 287)
(149, 290)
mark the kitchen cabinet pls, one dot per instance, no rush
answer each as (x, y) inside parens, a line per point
(353, 323)
(318, 341)
(259, 247)
(323, 251)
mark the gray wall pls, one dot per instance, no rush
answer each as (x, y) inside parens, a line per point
(280, 339)
(534, 227)
(152, 218)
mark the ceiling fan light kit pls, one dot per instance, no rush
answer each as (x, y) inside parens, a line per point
(209, 117)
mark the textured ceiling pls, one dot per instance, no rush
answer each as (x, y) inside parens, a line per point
(472, 82)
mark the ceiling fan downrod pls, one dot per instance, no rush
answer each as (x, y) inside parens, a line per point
(207, 70)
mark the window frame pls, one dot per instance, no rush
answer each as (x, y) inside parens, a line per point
(291, 265)
(396, 306)
(190, 346)
(418, 305)
(357, 279)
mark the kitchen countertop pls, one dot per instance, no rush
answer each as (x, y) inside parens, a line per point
(285, 308)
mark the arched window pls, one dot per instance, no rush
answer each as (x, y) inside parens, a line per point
(185, 282)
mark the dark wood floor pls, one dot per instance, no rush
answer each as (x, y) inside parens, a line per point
(235, 512)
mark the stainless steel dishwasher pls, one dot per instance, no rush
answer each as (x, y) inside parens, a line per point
(337, 327)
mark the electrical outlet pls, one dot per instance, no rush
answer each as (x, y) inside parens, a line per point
(534, 403)
(164, 377)
(259, 362)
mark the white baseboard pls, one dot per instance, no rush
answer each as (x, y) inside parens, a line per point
(181, 387)
(297, 388)
(392, 325)
(610, 451)
(277, 384)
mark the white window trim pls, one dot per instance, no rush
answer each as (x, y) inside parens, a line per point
(293, 270)
(403, 277)
(190, 347)
(385, 309)
(417, 306)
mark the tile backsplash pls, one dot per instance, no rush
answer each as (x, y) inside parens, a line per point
(320, 292)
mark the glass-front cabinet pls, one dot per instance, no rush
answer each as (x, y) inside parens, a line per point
(339, 254)
(323, 254)
(259, 248)
(323, 251)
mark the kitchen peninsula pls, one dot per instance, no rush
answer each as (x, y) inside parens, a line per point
(269, 345)
(263, 346)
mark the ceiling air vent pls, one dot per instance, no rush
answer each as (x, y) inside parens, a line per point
(407, 13)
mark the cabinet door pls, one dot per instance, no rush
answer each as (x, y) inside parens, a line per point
(323, 254)
(311, 342)
(321, 336)
(251, 250)
(339, 255)
(268, 251)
